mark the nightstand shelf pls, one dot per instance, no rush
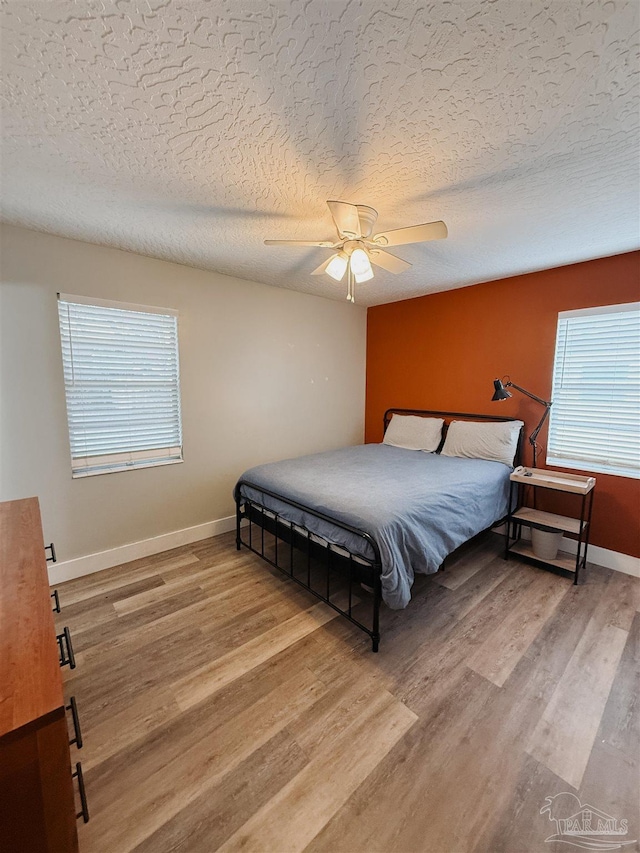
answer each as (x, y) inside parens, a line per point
(531, 517)
(564, 561)
(538, 518)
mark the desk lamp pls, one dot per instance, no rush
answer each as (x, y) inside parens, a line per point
(500, 393)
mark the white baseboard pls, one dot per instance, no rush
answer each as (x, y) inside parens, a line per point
(76, 568)
(604, 557)
(600, 556)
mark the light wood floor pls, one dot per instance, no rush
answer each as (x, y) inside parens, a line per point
(223, 708)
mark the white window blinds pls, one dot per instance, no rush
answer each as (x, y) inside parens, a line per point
(595, 417)
(121, 375)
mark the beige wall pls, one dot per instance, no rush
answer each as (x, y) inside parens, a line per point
(266, 374)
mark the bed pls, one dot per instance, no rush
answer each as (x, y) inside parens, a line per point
(372, 515)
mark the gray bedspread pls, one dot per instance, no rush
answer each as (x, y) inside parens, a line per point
(417, 506)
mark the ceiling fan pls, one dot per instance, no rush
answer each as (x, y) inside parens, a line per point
(357, 249)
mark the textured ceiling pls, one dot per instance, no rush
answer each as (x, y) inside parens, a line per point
(193, 130)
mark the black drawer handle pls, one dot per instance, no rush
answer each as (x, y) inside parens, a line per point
(66, 649)
(84, 811)
(52, 548)
(56, 601)
(76, 723)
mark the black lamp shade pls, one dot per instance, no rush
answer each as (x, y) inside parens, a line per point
(499, 392)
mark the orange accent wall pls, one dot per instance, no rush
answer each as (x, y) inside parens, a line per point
(443, 351)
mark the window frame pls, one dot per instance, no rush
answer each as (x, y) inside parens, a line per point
(565, 461)
(88, 465)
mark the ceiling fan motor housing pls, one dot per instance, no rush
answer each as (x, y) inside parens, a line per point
(367, 216)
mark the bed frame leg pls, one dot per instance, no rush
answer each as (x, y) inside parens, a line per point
(377, 598)
(238, 540)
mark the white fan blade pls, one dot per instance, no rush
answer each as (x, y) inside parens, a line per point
(325, 244)
(388, 261)
(322, 268)
(413, 234)
(346, 217)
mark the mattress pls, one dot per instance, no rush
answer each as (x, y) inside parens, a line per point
(417, 507)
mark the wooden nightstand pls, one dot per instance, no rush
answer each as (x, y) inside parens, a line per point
(579, 528)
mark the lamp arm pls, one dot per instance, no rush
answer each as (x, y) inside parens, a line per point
(528, 393)
(534, 434)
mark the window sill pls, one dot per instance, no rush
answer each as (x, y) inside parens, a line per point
(94, 472)
(592, 468)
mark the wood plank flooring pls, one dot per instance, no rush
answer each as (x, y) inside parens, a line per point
(224, 708)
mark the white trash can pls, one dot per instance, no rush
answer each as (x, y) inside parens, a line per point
(546, 542)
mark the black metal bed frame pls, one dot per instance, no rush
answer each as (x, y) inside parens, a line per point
(296, 536)
(319, 553)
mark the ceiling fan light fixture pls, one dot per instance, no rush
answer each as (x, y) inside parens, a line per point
(338, 267)
(365, 276)
(360, 264)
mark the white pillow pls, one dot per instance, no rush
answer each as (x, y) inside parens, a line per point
(414, 433)
(496, 442)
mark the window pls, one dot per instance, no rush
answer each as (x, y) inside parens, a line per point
(595, 417)
(121, 376)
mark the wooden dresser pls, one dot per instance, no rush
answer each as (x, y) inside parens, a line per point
(37, 800)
